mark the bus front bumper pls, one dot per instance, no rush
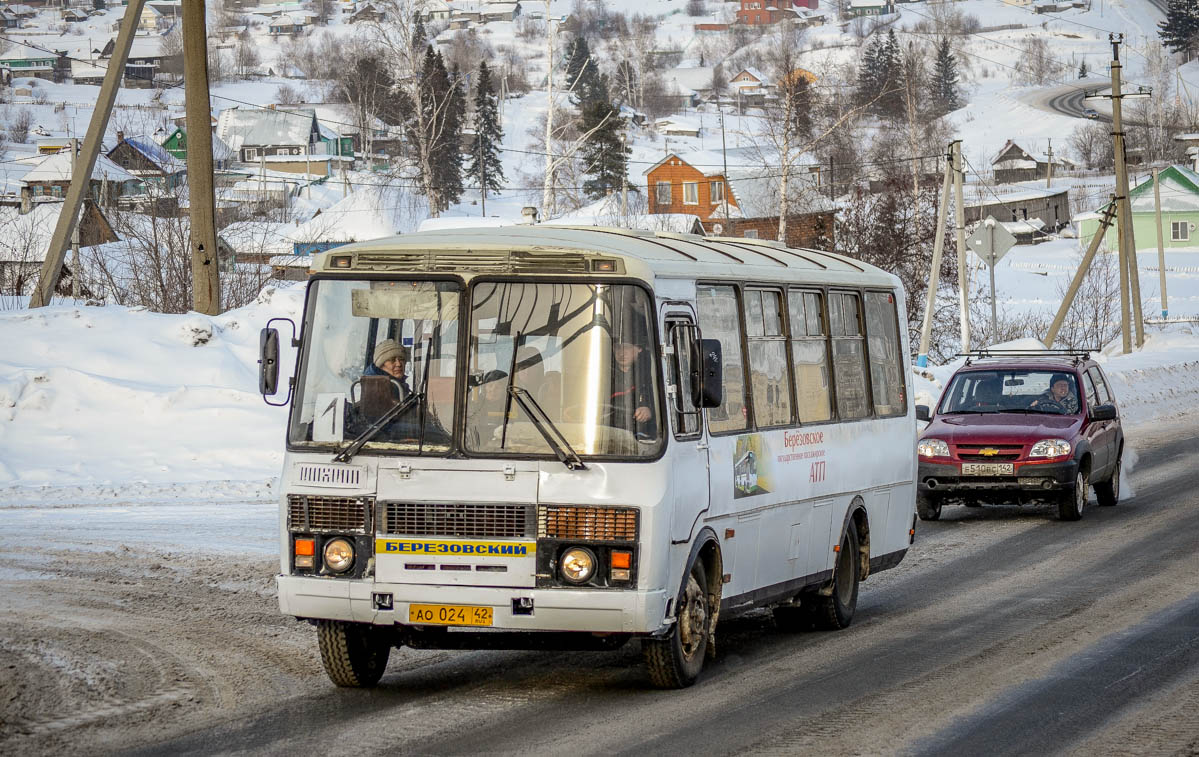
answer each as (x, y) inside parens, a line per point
(365, 601)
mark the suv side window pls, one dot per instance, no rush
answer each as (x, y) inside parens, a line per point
(1105, 396)
(1092, 399)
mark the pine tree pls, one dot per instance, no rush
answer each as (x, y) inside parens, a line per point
(1180, 30)
(946, 96)
(868, 72)
(583, 79)
(890, 67)
(1083, 70)
(485, 167)
(605, 156)
(437, 132)
(450, 154)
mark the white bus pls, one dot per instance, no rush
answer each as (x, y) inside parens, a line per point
(533, 437)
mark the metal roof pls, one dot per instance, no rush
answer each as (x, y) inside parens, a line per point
(664, 254)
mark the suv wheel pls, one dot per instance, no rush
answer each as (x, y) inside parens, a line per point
(1108, 492)
(1074, 499)
(928, 506)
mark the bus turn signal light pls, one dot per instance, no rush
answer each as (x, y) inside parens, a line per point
(305, 547)
(622, 559)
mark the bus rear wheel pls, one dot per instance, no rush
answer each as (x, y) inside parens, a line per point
(835, 611)
(354, 654)
(675, 661)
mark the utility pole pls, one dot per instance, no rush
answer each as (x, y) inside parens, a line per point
(206, 289)
(934, 275)
(81, 174)
(724, 178)
(959, 215)
(76, 268)
(482, 173)
(1049, 172)
(1130, 282)
(1161, 244)
(624, 177)
(1109, 214)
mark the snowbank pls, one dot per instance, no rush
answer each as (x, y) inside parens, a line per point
(120, 404)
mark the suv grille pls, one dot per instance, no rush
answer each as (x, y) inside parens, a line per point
(974, 452)
(458, 520)
(320, 513)
(598, 523)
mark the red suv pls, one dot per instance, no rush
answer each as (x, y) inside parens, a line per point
(1021, 428)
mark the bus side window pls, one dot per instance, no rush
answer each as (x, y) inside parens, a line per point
(720, 319)
(886, 366)
(809, 350)
(849, 359)
(769, 375)
(683, 411)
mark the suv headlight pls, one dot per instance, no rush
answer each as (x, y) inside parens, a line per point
(1050, 448)
(932, 448)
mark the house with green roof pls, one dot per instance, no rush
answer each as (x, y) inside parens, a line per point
(1179, 189)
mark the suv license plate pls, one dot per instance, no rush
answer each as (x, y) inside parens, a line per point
(988, 469)
(449, 615)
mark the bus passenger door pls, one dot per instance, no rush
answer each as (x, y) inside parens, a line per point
(687, 454)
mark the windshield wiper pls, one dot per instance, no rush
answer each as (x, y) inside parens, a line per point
(966, 412)
(556, 440)
(345, 453)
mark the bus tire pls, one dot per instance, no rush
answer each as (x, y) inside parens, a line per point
(354, 654)
(675, 661)
(834, 612)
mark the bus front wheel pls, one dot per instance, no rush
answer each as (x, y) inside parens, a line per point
(354, 654)
(675, 661)
(835, 611)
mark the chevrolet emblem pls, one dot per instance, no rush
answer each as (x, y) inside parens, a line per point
(988, 451)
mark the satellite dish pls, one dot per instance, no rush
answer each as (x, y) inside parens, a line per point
(717, 228)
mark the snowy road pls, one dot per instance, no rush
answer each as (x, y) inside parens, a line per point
(1004, 631)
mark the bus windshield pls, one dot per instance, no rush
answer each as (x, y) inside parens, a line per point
(371, 347)
(580, 356)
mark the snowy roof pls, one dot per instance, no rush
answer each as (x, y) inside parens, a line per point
(1179, 189)
(25, 238)
(688, 79)
(606, 211)
(755, 73)
(155, 152)
(57, 167)
(256, 126)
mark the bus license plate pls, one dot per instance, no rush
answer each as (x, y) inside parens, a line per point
(449, 615)
(988, 469)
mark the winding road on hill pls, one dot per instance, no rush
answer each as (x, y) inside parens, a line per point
(1004, 631)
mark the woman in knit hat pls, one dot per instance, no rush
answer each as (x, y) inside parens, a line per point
(391, 359)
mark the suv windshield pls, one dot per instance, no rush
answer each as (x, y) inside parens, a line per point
(1011, 390)
(583, 354)
(372, 345)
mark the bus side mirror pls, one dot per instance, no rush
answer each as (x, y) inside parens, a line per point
(268, 362)
(706, 374)
(923, 413)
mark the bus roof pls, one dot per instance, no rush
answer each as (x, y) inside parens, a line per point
(664, 254)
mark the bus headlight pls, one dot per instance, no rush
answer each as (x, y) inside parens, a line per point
(578, 565)
(339, 555)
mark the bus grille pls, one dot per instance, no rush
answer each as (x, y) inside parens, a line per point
(597, 523)
(319, 513)
(496, 261)
(459, 520)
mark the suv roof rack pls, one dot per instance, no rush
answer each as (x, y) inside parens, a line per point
(1077, 355)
